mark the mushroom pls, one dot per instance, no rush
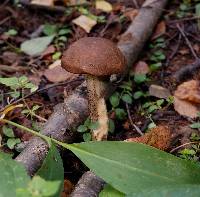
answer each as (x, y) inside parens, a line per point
(96, 58)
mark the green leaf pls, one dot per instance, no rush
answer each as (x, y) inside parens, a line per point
(11, 32)
(31, 86)
(160, 102)
(11, 142)
(109, 191)
(15, 94)
(87, 137)
(111, 126)
(41, 188)
(13, 176)
(10, 82)
(195, 125)
(62, 38)
(183, 190)
(138, 94)
(114, 99)
(64, 32)
(35, 107)
(140, 78)
(93, 125)
(152, 108)
(187, 152)
(82, 128)
(49, 30)
(56, 55)
(133, 167)
(8, 131)
(36, 46)
(155, 66)
(120, 113)
(127, 98)
(52, 168)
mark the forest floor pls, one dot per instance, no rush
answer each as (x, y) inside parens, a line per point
(162, 90)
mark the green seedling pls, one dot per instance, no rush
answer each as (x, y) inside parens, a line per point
(11, 32)
(31, 112)
(87, 128)
(18, 85)
(11, 140)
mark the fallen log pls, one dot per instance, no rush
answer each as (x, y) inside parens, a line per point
(67, 116)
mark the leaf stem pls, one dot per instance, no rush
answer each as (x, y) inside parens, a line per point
(44, 137)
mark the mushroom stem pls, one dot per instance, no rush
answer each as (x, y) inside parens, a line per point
(97, 106)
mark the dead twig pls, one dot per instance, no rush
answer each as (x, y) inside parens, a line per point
(131, 121)
(182, 145)
(187, 42)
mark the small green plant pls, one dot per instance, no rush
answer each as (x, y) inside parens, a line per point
(11, 32)
(150, 107)
(86, 12)
(192, 153)
(60, 36)
(18, 85)
(11, 140)
(30, 112)
(183, 9)
(87, 128)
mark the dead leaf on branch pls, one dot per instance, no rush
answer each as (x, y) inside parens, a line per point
(160, 30)
(158, 137)
(186, 108)
(189, 91)
(55, 73)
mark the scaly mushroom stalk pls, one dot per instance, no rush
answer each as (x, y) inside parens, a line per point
(97, 107)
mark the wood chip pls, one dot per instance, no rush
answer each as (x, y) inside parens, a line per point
(159, 91)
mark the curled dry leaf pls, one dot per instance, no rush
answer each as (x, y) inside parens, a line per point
(158, 137)
(186, 108)
(189, 91)
(55, 73)
(85, 22)
(160, 30)
(141, 68)
(103, 5)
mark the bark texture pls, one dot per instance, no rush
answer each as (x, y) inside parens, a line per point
(74, 110)
(88, 186)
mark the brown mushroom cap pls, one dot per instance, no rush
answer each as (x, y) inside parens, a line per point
(94, 56)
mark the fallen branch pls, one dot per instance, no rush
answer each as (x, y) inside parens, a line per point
(69, 115)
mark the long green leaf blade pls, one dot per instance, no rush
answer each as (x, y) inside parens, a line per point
(188, 190)
(132, 167)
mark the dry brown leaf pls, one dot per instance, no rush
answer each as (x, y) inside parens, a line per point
(158, 137)
(43, 2)
(131, 13)
(55, 73)
(160, 30)
(85, 22)
(185, 108)
(141, 68)
(189, 91)
(159, 91)
(48, 51)
(103, 5)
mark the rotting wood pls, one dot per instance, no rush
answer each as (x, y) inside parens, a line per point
(69, 115)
